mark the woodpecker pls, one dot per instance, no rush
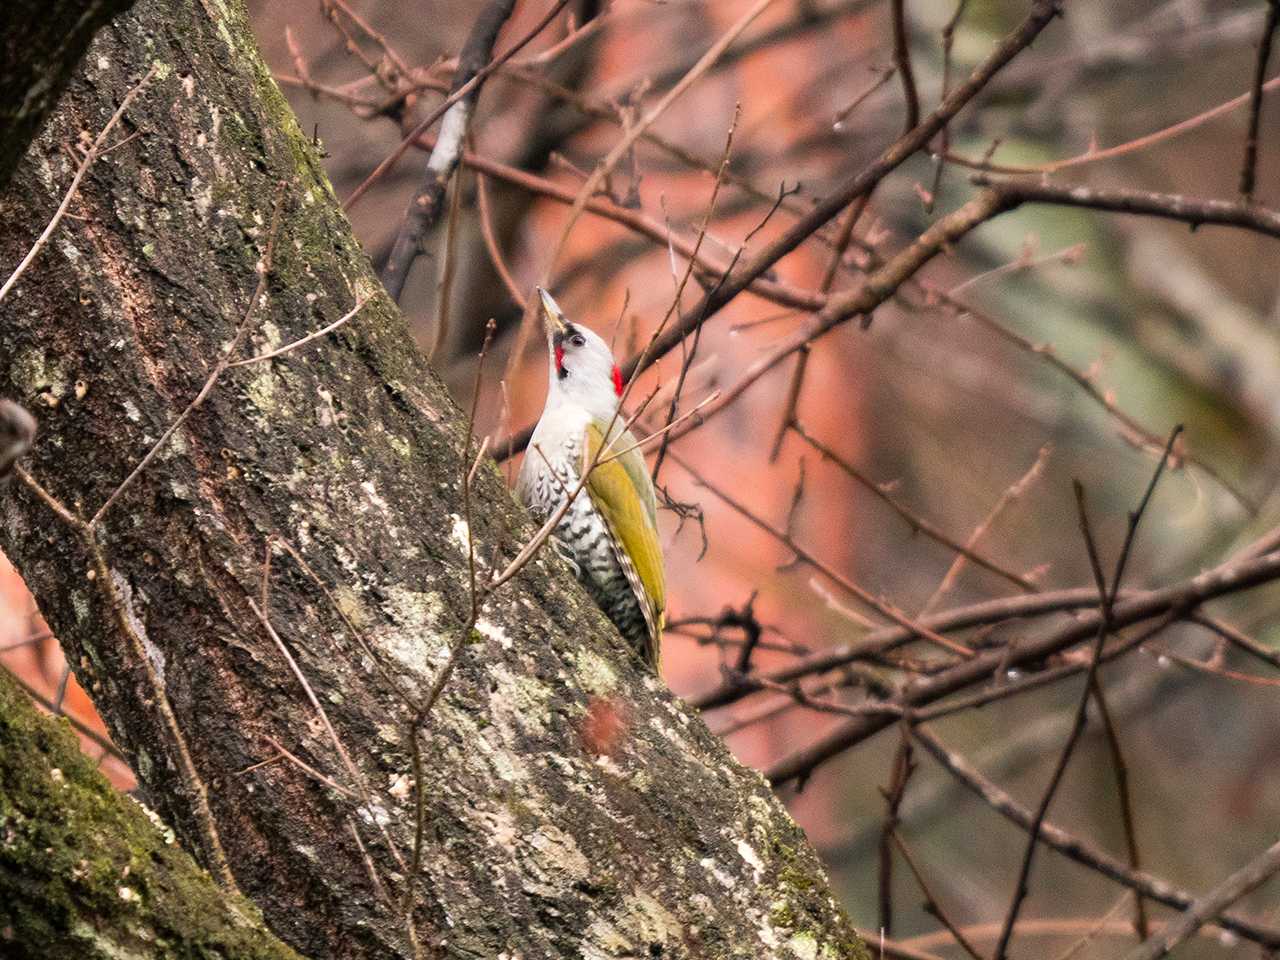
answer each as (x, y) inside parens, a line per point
(610, 532)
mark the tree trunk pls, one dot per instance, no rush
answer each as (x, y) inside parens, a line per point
(84, 872)
(570, 806)
(41, 41)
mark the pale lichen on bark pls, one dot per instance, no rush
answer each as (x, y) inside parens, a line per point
(349, 452)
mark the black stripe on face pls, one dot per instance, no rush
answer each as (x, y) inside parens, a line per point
(560, 336)
(557, 342)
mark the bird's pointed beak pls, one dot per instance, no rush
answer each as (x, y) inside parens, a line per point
(553, 320)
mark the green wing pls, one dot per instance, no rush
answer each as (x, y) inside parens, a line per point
(623, 493)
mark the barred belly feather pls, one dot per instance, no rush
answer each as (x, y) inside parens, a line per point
(582, 537)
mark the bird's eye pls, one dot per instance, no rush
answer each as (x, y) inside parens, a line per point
(578, 340)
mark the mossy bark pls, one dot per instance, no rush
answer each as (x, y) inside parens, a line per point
(41, 42)
(86, 873)
(572, 806)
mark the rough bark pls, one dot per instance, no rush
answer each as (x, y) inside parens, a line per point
(572, 807)
(88, 874)
(41, 42)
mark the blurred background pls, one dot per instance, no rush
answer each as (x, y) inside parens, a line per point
(1085, 338)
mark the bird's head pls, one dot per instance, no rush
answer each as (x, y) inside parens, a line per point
(582, 367)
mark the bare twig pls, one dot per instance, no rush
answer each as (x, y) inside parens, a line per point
(491, 243)
(310, 337)
(1253, 874)
(638, 222)
(1042, 13)
(1141, 926)
(1230, 577)
(948, 41)
(81, 728)
(455, 650)
(1075, 848)
(448, 270)
(900, 771)
(606, 165)
(1190, 210)
(914, 520)
(931, 905)
(306, 768)
(874, 290)
(864, 596)
(692, 352)
(843, 239)
(356, 776)
(424, 207)
(1107, 595)
(125, 620)
(1136, 434)
(456, 96)
(902, 62)
(789, 404)
(1249, 171)
(1123, 149)
(95, 150)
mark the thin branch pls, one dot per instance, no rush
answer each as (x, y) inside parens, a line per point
(902, 62)
(1042, 13)
(305, 767)
(491, 243)
(1253, 874)
(633, 133)
(886, 639)
(900, 770)
(887, 949)
(1077, 849)
(1219, 672)
(1107, 595)
(914, 520)
(1141, 925)
(1249, 172)
(455, 648)
(843, 239)
(1088, 936)
(875, 289)
(81, 728)
(424, 207)
(106, 580)
(357, 777)
(770, 288)
(884, 608)
(790, 403)
(1137, 434)
(687, 362)
(1236, 638)
(1007, 689)
(95, 150)
(456, 96)
(1228, 578)
(1123, 149)
(948, 41)
(1011, 495)
(931, 905)
(448, 270)
(1169, 206)
(316, 335)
